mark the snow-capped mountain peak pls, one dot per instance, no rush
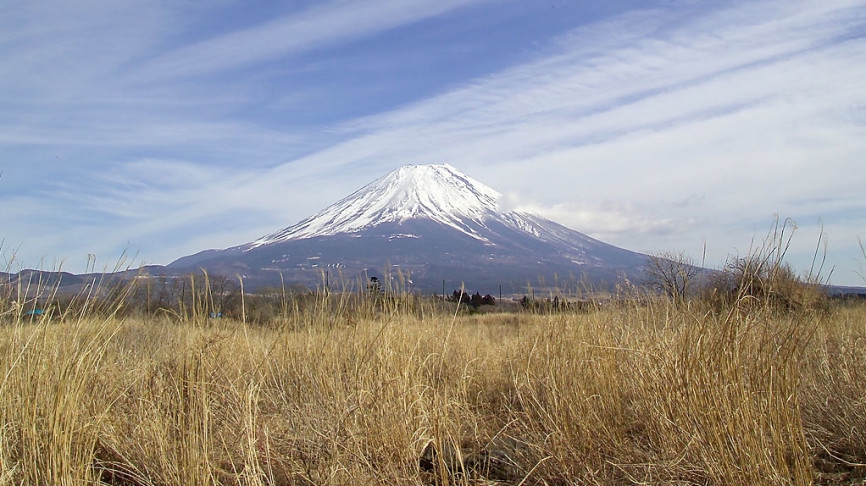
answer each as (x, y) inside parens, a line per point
(428, 221)
(439, 193)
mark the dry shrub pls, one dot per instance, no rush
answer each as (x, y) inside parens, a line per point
(764, 280)
(756, 283)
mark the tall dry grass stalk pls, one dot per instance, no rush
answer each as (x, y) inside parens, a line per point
(835, 413)
(50, 412)
(378, 389)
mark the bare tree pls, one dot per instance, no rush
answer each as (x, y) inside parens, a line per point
(671, 273)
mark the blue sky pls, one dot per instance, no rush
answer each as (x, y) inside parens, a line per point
(165, 128)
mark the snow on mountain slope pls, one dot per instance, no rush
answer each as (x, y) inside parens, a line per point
(431, 222)
(439, 193)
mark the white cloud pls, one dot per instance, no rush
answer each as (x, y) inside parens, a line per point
(670, 126)
(747, 117)
(323, 25)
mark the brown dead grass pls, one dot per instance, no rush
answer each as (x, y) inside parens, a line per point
(628, 394)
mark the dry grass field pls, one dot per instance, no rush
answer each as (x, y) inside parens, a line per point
(638, 391)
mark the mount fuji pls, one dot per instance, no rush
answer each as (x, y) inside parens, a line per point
(429, 224)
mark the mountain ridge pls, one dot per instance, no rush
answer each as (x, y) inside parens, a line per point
(431, 221)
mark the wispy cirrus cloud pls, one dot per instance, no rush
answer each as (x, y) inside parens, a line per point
(747, 109)
(324, 24)
(95, 74)
(650, 127)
